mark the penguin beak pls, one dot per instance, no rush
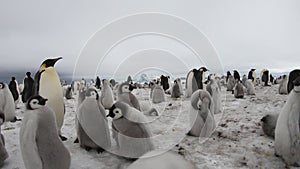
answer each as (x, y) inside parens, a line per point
(43, 102)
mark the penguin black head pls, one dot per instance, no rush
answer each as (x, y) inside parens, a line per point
(49, 63)
(92, 93)
(203, 69)
(13, 78)
(115, 112)
(2, 85)
(2, 118)
(35, 102)
(252, 70)
(28, 74)
(297, 81)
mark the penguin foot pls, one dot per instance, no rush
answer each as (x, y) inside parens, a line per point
(76, 140)
(100, 150)
(63, 138)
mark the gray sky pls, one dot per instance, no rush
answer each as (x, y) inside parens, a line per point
(245, 33)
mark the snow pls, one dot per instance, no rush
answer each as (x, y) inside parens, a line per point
(238, 141)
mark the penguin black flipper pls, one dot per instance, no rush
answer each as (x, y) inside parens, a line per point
(36, 83)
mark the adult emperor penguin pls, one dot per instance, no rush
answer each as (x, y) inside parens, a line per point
(236, 75)
(7, 105)
(194, 80)
(3, 152)
(98, 82)
(164, 82)
(130, 131)
(14, 89)
(250, 87)
(28, 86)
(158, 94)
(124, 94)
(292, 76)
(107, 96)
(201, 112)
(283, 86)
(215, 92)
(40, 144)
(175, 92)
(47, 84)
(92, 126)
(252, 76)
(287, 134)
(159, 159)
(238, 90)
(265, 77)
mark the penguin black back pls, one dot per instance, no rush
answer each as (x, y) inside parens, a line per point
(292, 76)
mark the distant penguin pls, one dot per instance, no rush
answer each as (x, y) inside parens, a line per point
(283, 87)
(252, 76)
(269, 124)
(164, 82)
(13, 87)
(194, 80)
(201, 112)
(28, 86)
(132, 134)
(227, 76)
(238, 90)
(112, 82)
(98, 82)
(124, 94)
(180, 85)
(81, 96)
(236, 75)
(230, 83)
(265, 77)
(151, 86)
(292, 76)
(159, 159)
(107, 96)
(7, 104)
(47, 84)
(92, 129)
(175, 92)
(250, 87)
(215, 92)
(158, 94)
(40, 144)
(68, 94)
(271, 79)
(244, 79)
(287, 134)
(129, 79)
(3, 152)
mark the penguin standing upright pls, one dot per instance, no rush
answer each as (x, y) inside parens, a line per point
(265, 77)
(180, 85)
(98, 82)
(28, 86)
(236, 75)
(47, 84)
(227, 76)
(252, 76)
(92, 126)
(283, 85)
(175, 92)
(250, 87)
(194, 80)
(124, 94)
(164, 82)
(130, 130)
(158, 94)
(7, 105)
(14, 89)
(230, 83)
(215, 91)
(107, 96)
(292, 76)
(287, 134)
(3, 152)
(39, 142)
(238, 90)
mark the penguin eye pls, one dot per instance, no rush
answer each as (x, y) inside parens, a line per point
(117, 111)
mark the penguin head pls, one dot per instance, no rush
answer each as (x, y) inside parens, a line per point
(203, 69)
(116, 111)
(92, 93)
(125, 88)
(35, 102)
(2, 85)
(49, 63)
(28, 74)
(252, 70)
(13, 78)
(2, 118)
(296, 83)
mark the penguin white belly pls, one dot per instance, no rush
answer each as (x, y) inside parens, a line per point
(50, 88)
(107, 98)
(189, 81)
(282, 136)
(7, 104)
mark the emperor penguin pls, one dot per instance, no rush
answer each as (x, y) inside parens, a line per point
(227, 76)
(130, 130)
(28, 86)
(244, 79)
(238, 90)
(158, 94)
(250, 87)
(194, 80)
(14, 89)
(68, 94)
(265, 77)
(236, 75)
(180, 85)
(175, 92)
(159, 159)
(92, 126)
(269, 124)
(40, 144)
(164, 82)
(7, 104)
(201, 112)
(107, 96)
(292, 76)
(98, 82)
(47, 84)
(230, 83)
(151, 86)
(124, 94)
(252, 76)
(3, 152)
(287, 134)
(215, 92)
(283, 86)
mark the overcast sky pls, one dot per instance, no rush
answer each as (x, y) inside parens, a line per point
(245, 34)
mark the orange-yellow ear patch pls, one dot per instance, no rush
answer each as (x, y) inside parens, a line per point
(43, 66)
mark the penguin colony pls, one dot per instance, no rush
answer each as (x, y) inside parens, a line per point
(97, 102)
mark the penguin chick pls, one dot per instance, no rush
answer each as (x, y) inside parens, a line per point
(269, 124)
(124, 94)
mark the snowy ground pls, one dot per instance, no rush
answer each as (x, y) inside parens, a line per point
(238, 141)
